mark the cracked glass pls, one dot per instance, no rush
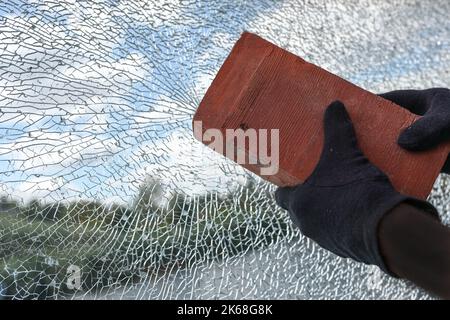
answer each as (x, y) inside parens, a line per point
(104, 192)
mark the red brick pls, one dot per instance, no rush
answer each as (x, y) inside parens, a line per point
(263, 86)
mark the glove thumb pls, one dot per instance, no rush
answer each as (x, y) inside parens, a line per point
(340, 138)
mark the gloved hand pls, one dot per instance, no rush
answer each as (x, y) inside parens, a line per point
(341, 204)
(434, 127)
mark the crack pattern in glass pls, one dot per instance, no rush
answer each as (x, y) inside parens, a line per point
(104, 193)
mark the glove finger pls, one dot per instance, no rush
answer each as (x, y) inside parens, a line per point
(283, 195)
(415, 101)
(426, 133)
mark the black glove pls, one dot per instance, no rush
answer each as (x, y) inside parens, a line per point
(434, 127)
(341, 204)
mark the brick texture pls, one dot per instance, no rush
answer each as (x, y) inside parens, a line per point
(262, 86)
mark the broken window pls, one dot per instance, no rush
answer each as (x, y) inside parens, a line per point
(104, 193)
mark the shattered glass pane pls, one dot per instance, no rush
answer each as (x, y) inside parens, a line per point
(104, 193)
